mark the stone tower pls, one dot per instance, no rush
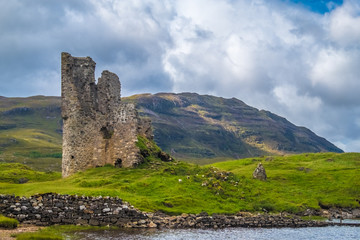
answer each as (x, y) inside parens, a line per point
(98, 128)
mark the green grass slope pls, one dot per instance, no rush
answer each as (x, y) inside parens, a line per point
(294, 184)
(30, 132)
(305, 180)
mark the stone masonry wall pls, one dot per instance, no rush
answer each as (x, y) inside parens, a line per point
(98, 128)
(49, 209)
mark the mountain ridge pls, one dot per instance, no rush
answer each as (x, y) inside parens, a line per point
(188, 125)
(245, 131)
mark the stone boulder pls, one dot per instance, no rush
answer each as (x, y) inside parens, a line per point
(165, 157)
(260, 173)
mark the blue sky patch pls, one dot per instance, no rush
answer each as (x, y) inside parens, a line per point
(319, 6)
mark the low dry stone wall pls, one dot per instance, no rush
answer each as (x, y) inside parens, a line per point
(50, 209)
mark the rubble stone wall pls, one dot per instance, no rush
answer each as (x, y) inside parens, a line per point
(49, 209)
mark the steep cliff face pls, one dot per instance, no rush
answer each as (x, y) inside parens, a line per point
(98, 128)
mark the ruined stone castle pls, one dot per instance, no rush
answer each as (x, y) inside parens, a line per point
(98, 128)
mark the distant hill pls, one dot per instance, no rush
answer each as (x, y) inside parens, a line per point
(30, 131)
(189, 126)
(193, 126)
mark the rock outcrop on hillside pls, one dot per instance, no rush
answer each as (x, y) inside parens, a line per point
(260, 173)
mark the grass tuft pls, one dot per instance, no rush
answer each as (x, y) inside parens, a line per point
(8, 223)
(38, 236)
(58, 232)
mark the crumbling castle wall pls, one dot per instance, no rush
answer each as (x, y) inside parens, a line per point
(98, 128)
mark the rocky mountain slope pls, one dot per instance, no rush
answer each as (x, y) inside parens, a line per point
(189, 126)
(193, 126)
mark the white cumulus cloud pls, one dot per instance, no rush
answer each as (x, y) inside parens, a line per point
(274, 55)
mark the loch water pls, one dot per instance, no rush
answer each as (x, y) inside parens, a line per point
(328, 233)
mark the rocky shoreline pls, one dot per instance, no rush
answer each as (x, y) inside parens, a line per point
(49, 209)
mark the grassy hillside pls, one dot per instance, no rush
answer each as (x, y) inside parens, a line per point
(312, 180)
(199, 128)
(30, 132)
(294, 184)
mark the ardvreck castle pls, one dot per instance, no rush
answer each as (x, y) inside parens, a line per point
(98, 128)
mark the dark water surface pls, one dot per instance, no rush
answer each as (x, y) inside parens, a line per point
(335, 232)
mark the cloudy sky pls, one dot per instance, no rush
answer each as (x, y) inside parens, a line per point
(297, 58)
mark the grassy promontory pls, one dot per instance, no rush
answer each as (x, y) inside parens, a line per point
(294, 184)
